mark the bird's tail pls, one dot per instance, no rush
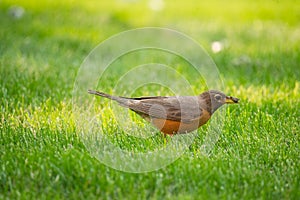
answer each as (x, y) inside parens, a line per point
(121, 100)
(102, 94)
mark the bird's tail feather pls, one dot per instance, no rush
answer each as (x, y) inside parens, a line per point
(102, 94)
(121, 100)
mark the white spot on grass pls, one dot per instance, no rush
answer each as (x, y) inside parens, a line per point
(217, 46)
(156, 5)
(16, 12)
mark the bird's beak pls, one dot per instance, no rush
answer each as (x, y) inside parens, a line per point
(230, 100)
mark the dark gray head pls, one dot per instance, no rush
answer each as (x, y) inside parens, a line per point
(215, 99)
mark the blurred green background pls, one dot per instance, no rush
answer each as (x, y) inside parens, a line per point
(43, 44)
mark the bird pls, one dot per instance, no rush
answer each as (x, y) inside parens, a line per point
(174, 114)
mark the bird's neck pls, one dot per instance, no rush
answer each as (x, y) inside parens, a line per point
(206, 104)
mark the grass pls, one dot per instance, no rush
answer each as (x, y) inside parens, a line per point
(256, 155)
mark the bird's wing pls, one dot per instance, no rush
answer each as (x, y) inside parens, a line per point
(184, 108)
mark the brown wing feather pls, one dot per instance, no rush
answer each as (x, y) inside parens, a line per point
(185, 108)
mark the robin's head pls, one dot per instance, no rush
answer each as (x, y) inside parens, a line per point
(215, 99)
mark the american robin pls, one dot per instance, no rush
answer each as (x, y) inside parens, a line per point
(174, 114)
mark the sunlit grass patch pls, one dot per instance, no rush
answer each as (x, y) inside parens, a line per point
(263, 94)
(53, 117)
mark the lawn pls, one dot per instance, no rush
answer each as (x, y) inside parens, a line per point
(42, 46)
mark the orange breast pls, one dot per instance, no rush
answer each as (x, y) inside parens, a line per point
(172, 127)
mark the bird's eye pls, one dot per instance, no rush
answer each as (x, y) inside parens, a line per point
(218, 97)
